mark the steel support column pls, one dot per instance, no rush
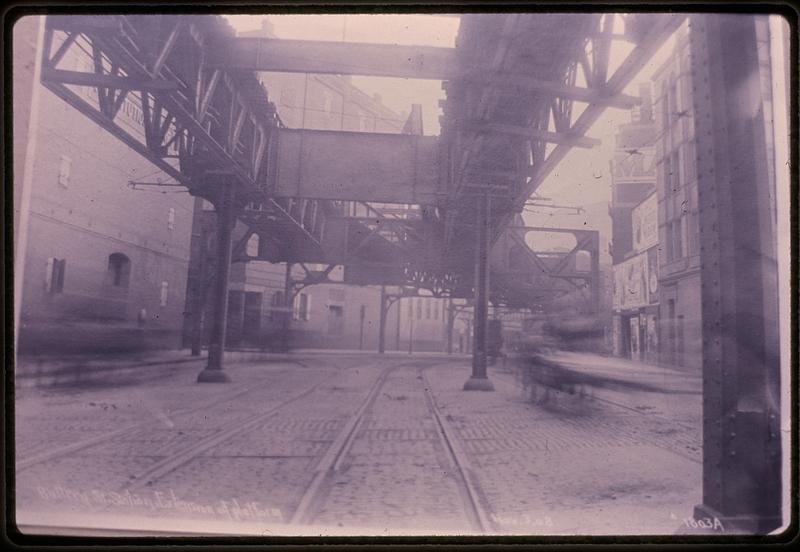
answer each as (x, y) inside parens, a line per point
(288, 309)
(479, 381)
(197, 283)
(382, 325)
(411, 328)
(451, 321)
(226, 219)
(741, 362)
(397, 331)
(594, 284)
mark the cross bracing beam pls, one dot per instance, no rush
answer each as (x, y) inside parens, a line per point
(147, 81)
(108, 81)
(663, 27)
(338, 58)
(566, 138)
(522, 271)
(521, 83)
(547, 71)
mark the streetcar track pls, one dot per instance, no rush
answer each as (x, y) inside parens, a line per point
(331, 460)
(231, 429)
(235, 427)
(38, 458)
(458, 459)
(316, 493)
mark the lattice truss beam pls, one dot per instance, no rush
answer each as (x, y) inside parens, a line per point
(202, 125)
(530, 86)
(388, 245)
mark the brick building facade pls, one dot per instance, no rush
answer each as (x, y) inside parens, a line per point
(105, 261)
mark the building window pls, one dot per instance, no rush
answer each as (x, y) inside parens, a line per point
(689, 166)
(667, 240)
(675, 173)
(436, 310)
(675, 206)
(276, 305)
(693, 231)
(673, 252)
(119, 270)
(301, 306)
(171, 218)
(410, 308)
(54, 275)
(252, 314)
(335, 320)
(252, 246)
(664, 108)
(64, 170)
(164, 293)
(419, 308)
(673, 99)
(327, 101)
(671, 328)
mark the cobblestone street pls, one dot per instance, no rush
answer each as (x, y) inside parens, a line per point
(361, 444)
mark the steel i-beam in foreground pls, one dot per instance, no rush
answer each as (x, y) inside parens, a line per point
(741, 357)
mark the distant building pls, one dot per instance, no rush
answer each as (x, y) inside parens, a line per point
(423, 325)
(634, 245)
(106, 262)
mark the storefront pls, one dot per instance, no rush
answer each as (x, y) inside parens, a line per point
(636, 312)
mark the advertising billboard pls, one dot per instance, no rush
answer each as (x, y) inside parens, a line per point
(631, 283)
(644, 219)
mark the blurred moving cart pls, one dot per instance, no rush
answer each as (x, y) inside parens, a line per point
(541, 377)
